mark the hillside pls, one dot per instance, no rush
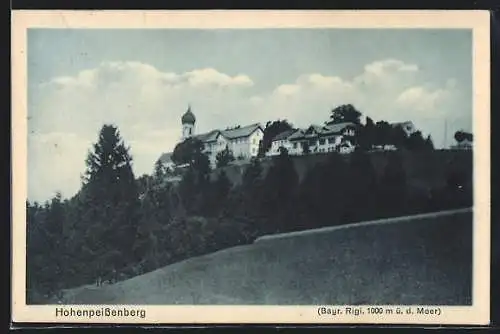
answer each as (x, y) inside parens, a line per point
(423, 169)
(404, 262)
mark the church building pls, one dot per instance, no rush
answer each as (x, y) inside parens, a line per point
(243, 141)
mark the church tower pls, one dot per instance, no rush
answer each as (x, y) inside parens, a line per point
(188, 120)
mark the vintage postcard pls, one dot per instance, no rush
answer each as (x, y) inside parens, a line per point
(251, 167)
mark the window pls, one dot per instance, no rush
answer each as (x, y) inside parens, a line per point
(294, 145)
(190, 131)
(322, 141)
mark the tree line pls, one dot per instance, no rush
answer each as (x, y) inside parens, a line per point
(118, 226)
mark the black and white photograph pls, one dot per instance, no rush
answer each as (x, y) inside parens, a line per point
(252, 166)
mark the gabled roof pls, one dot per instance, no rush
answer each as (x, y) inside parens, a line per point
(327, 130)
(313, 130)
(402, 123)
(284, 135)
(166, 157)
(337, 127)
(229, 133)
(241, 131)
(299, 134)
(208, 136)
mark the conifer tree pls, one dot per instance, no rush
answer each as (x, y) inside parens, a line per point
(280, 188)
(393, 183)
(224, 157)
(362, 185)
(109, 204)
(252, 175)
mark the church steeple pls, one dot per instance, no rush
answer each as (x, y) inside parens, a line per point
(188, 120)
(188, 116)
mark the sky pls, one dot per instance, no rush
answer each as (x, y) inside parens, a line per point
(143, 81)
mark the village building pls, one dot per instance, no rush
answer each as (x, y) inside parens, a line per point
(242, 141)
(315, 139)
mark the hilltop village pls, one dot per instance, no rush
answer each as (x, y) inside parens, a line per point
(244, 141)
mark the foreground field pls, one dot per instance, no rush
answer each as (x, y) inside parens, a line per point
(423, 260)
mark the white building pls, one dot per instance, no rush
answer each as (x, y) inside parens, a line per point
(317, 139)
(242, 141)
(281, 140)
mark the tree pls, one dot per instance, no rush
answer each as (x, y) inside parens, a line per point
(461, 135)
(366, 135)
(279, 190)
(186, 151)
(429, 145)
(201, 167)
(195, 183)
(345, 113)
(224, 157)
(362, 185)
(323, 193)
(272, 130)
(109, 203)
(416, 142)
(384, 134)
(252, 175)
(159, 170)
(220, 191)
(46, 249)
(155, 214)
(187, 190)
(54, 229)
(392, 190)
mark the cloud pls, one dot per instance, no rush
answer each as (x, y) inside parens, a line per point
(146, 104)
(421, 99)
(210, 76)
(387, 89)
(386, 66)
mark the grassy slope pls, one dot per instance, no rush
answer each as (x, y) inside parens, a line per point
(425, 261)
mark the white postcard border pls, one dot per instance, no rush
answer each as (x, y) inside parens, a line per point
(478, 21)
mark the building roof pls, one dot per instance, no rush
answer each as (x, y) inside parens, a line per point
(237, 132)
(299, 134)
(402, 123)
(188, 117)
(166, 157)
(208, 136)
(337, 128)
(284, 135)
(326, 130)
